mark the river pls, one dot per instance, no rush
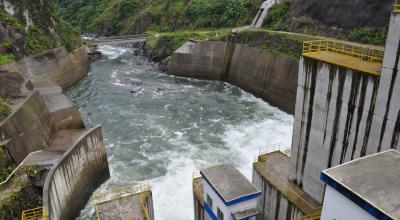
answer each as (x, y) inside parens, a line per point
(159, 128)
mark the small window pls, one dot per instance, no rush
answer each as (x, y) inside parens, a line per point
(220, 214)
(209, 201)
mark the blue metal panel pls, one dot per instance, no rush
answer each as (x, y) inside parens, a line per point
(354, 197)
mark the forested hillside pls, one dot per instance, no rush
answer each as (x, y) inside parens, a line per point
(136, 16)
(29, 27)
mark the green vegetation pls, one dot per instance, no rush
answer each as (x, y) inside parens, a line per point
(173, 40)
(69, 36)
(5, 108)
(288, 44)
(368, 35)
(6, 59)
(9, 20)
(275, 15)
(7, 172)
(134, 16)
(37, 41)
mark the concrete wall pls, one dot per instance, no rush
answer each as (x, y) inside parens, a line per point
(55, 65)
(272, 204)
(72, 180)
(332, 124)
(269, 76)
(198, 209)
(28, 128)
(343, 114)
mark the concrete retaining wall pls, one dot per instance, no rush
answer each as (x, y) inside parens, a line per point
(272, 204)
(332, 125)
(72, 180)
(56, 66)
(269, 76)
(28, 128)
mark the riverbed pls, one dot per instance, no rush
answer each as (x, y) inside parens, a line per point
(158, 128)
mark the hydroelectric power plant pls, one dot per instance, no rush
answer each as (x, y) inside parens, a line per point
(179, 110)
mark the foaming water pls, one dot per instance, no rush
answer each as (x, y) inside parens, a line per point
(159, 128)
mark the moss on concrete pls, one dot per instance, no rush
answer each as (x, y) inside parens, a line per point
(5, 108)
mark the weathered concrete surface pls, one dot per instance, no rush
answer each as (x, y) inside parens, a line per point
(56, 66)
(280, 199)
(269, 76)
(28, 128)
(198, 198)
(333, 115)
(198, 59)
(342, 114)
(72, 180)
(11, 84)
(64, 114)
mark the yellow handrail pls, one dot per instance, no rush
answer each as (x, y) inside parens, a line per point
(143, 197)
(118, 193)
(314, 216)
(35, 214)
(362, 53)
(397, 6)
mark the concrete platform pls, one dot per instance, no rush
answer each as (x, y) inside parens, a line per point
(65, 139)
(129, 202)
(274, 168)
(346, 61)
(125, 208)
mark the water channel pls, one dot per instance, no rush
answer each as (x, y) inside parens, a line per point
(158, 128)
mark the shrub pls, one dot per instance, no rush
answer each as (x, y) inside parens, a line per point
(36, 40)
(127, 7)
(369, 35)
(275, 15)
(6, 58)
(5, 108)
(196, 8)
(70, 37)
(232, 9)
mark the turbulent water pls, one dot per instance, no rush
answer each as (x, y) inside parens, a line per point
(159, 128)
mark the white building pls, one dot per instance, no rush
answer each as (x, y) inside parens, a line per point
(364, 189)
(228, 195)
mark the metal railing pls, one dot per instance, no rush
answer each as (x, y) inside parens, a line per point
(362, 53)
(272, 148)
(35, 214)
(142, 204)
(397, 6)
(118, 193)
(314, 216)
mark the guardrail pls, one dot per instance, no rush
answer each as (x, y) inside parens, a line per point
(397, 6)
(362, 53)
(35, 214)
(142, 204)
(119, 193)
(314, 216)
(18, 167)
(272, 148)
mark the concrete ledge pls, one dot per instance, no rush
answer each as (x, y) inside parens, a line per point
(70, 183)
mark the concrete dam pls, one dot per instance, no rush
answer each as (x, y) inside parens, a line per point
(231, 132)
